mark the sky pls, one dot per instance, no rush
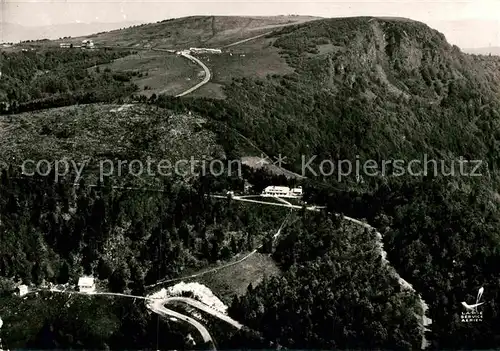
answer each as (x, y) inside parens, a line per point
(466, 23)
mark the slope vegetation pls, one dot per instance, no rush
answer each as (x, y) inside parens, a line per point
(379, 89)
(385, 90)
(194, 31)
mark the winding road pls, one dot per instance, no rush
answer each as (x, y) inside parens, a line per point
(205, 80)
(201, 306)
(185, 53)
(157, 306)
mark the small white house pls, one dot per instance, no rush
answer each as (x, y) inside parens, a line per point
(86, 285)
(23, 290)
(87, 43)
(296, 192)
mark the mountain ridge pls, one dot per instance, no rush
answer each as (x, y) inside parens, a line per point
(492, 50)
(13, 32)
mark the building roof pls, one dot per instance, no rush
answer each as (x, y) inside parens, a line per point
(85, 281)
(277, 188)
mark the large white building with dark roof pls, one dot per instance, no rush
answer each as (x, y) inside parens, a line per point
(282, 191)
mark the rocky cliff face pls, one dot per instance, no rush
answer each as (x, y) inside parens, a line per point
(408, 58)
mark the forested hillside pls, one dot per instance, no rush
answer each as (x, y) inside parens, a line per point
(362, 88)
(387, 90)
(384, 89)
(336, 293)
(82, 224)
(195, 31)
(55, 232)
(59, 77)
(373, 88)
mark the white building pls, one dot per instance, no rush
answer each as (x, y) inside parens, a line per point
(23, 290)
(282, 191)
(86, 285)
(64, 45)
(205, 51)
(87, 43)
(296, 192)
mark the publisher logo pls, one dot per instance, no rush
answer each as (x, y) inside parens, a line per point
(472, 313)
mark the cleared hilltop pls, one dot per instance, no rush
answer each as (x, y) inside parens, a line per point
(193, 31)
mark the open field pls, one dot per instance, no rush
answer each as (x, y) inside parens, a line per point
(159, 72)
(253, 59)
(210, 90)
(246, 63)
(234, 280)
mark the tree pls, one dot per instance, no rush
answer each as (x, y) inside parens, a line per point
(63, 276)
(119, 279)
(104, 269)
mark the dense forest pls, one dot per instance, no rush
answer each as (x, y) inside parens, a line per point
(57, 232)
(35, 80)
(335, 292)
(444, 238)
(441, 232)
(83, 322)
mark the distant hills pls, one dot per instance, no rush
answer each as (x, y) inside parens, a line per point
(13, 33)
(214, 31)
(225, 26)
(469, 33)
(493, 50)
(195, 29)
(189, 31)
